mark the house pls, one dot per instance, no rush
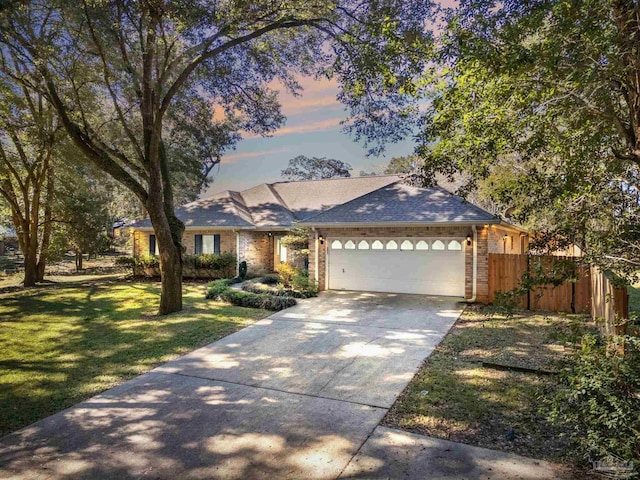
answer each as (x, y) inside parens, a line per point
(366, 233)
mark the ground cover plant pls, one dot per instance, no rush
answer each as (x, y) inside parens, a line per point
(62, 344)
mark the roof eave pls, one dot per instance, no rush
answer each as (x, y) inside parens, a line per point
(403, 224)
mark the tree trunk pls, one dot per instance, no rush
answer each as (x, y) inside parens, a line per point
(48, 224)
(78, 260)
(30, 268)
(168, 236)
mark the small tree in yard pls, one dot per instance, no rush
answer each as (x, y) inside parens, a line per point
(314, 168)
(121, 74)
(29, 136)
(82, 208)
(297, 240)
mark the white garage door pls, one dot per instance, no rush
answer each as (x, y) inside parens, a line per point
(431, 266)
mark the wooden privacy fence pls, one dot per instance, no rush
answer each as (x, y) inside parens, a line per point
(592, 293)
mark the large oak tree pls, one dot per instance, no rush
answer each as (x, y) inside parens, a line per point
(116, 71)
(539, 101)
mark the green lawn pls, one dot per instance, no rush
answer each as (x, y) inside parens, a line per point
(456, 395)
(60, 345)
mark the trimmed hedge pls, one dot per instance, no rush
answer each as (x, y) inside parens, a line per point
(276, 290)
(219, 290)
(211, 261)
(195, 266)
(125, 261)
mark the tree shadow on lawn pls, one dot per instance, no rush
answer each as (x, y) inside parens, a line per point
(61, 347)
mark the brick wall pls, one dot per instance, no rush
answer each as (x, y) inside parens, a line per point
(227, 240)
(506, 241)
(458, 232)
(256, 248)
(482, 274)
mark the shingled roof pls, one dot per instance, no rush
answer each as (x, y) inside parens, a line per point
(400, 203)
(356, 200)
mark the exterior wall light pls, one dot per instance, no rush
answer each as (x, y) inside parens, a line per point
(468, 240)
(321, 239)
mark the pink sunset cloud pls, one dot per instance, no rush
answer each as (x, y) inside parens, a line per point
(241, 156)
(308, 127)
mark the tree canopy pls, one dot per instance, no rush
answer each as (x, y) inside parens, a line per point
(540, 100)
(315, 168)
(129, 80)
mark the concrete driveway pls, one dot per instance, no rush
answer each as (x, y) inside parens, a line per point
(296, 395)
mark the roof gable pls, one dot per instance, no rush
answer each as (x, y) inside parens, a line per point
(400, 203)
(307, 198)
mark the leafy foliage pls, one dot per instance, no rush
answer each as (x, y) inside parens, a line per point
(538, 101)
(286, 273)
(601, 400)
(301, 286)
(146, 261)
(297, 240)
(223, 262)
(131, 81)
(219, 290)
(314, 168)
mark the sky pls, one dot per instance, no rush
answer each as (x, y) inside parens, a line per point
(312, 129)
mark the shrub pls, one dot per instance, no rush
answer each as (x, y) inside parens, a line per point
(303, 284)
(268, 280)
(219, 290)
(211, 261)
(601, 400)
(146, 261)
(125, 261)
(217, 287)
(286, 273)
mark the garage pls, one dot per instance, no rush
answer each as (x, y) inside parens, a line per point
(429, 266)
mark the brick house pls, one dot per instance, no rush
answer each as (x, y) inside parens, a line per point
(366, 233)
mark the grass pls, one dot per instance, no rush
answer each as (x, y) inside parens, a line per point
(454, 396)
(60, 345)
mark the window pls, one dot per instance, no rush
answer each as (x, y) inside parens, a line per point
(349, 245)
(454, 245)
(207, 244)
(377, 245)
(336, 245)
(422, 245)
(406, 245)
(392, 245)
(437, 245)
(363, 245)
(282, 251)
(153, 245)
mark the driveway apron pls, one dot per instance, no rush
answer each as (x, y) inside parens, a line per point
(295, 395)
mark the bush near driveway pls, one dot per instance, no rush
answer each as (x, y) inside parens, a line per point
(220, 290)
(601, 399)
(62, 345)
(302, 288)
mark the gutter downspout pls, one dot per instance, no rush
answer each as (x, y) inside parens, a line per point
(316, 250)
(474, 288)
(237, 252)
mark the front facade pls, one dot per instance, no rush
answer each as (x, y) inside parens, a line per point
(366, 233)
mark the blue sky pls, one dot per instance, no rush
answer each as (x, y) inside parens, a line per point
(312, 129)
